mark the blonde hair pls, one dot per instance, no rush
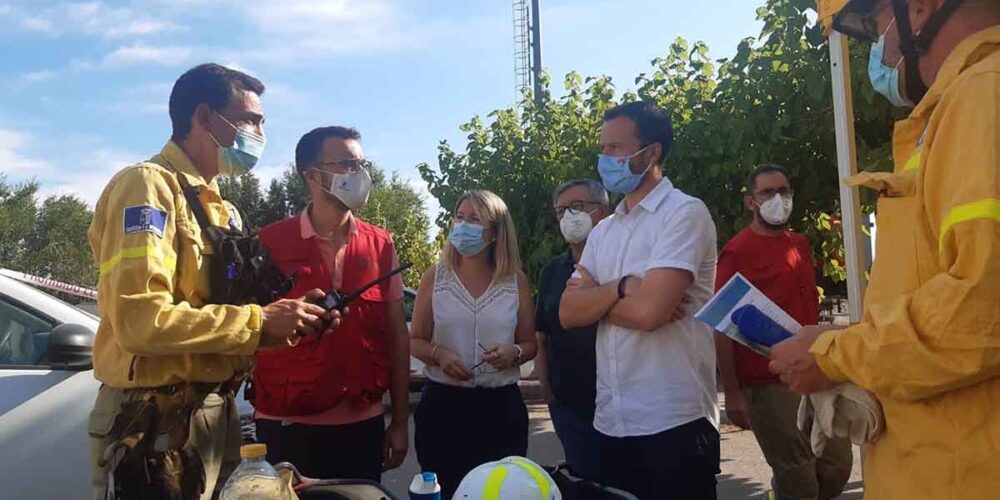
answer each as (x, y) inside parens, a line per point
(493, 214)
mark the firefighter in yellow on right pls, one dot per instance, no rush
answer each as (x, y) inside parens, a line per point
(928, 345)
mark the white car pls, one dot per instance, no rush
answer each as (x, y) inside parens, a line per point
(47, 389)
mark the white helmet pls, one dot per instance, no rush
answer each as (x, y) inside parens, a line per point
(513, 478)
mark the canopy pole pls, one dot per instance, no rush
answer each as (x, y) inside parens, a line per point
(847, 165)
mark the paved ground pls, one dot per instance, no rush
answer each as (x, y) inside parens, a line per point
(744, 472)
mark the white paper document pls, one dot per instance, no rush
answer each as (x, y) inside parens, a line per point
(736, 293)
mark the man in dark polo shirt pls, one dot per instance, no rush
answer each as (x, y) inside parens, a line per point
(779, 263)
(566, 361)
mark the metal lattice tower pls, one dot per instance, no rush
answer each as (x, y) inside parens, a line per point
(522, 46)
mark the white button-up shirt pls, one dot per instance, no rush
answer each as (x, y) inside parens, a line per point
(649, 382)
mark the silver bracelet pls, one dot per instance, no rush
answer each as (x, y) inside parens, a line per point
(520, 355)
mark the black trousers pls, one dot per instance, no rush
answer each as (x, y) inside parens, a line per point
(460, 428)
(679, 463)
(351, 451)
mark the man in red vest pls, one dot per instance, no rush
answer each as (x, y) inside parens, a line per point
(319, 404)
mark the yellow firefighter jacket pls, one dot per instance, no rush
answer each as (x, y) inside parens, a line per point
(929, 343)
(156, 328)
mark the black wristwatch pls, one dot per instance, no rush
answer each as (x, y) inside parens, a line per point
(621, 287)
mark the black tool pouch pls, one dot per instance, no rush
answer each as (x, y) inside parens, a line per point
(149, 452)
(240, 268)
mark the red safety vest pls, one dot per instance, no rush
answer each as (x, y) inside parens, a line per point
(351, 363)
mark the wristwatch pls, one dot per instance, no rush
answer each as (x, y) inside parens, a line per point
(621, 287)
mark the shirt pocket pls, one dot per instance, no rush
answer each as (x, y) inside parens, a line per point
(191, 265)
(105, 411)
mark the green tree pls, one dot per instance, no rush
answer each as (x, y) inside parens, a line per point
(244, 192)
(57, 245)
(17, 217)
(769, 103)
(396, 206)
(275, 206)
(296, 193)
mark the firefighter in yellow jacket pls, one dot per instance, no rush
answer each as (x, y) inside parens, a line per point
(159, 335)
(928, 345)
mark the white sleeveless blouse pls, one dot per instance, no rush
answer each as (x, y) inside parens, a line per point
(467, 325)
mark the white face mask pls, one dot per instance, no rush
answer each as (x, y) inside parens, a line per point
(575, 226)
(351, 189)
(777, 210)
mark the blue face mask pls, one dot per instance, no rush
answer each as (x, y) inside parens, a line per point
(616, 172)
(885, 79)
(467, 238)
(241, 157)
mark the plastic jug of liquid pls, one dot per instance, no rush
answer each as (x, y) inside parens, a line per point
(254, 479)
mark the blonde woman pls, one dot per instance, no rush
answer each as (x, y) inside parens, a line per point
(473, 326)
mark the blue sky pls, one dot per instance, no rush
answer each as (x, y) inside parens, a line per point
(84, 85)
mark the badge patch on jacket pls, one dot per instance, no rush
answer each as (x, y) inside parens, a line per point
(145, 218)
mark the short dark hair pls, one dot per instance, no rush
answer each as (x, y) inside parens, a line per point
(210, 84)
(594, 188)
(764, 169)
(652, 123)
(310, 145)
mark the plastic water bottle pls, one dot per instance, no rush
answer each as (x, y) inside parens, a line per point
(425, 487)
(254, 479)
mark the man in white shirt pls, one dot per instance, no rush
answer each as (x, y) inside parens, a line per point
(656, 397)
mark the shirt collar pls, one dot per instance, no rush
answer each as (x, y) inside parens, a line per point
(653, 200)
(308, 231)
(967, 53)
(175, 157)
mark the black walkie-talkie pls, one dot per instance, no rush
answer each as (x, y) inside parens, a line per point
(337, 300)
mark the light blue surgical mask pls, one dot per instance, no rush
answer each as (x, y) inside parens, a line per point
(885, 79)
(241, 157)
(467, 238)
(616, 172)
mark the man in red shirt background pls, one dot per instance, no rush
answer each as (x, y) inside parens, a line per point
(319, 404)
(779, 263)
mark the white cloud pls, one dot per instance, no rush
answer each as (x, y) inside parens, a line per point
(140, 53)
(143, 99)
(37, 24)
(37, 76)
(294, 29)
(139, 28)
(304, 17)
(24, 157)
(90, 18)
(88, 178)
(26, 79)
(15, 161)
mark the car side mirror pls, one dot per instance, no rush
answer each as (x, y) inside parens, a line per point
(71, 347)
